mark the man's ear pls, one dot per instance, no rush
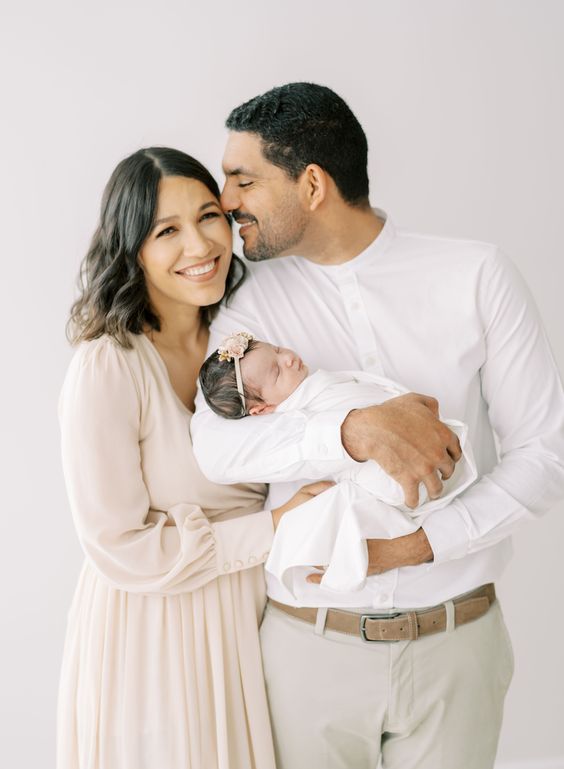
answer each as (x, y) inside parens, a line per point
(314, 185)
(261, 408)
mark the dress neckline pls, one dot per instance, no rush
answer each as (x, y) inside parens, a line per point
(162, 365)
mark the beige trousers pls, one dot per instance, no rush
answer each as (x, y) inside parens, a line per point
(434, 703)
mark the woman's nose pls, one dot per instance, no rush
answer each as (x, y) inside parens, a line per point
(196, 245)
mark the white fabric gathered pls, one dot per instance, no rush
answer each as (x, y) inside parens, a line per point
(330, 528)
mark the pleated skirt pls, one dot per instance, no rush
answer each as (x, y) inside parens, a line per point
(164, 682)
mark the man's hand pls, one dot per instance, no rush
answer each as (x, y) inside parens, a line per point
(406, 438)
(385, 554)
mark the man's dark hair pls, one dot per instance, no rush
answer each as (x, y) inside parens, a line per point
(219, 386)
(302, 123)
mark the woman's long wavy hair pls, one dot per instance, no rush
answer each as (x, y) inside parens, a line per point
(113, 294)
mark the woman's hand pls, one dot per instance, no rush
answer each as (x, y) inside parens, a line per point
(306, 493)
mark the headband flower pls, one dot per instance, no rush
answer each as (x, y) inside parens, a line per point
(233, 348)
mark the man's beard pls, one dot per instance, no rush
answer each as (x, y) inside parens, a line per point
(273, 239)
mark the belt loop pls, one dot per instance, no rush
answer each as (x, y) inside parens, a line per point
(449, 608)
(412, 625)
(319, 628)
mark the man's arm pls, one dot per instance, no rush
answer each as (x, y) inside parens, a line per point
(385, 554)
(522, 388)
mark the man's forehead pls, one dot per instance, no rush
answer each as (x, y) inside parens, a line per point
(243, 154)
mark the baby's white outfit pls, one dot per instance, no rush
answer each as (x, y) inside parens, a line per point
(327, 529)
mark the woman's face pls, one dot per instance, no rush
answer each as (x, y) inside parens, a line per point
(187, 254)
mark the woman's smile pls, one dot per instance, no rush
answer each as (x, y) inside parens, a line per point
(200, 273)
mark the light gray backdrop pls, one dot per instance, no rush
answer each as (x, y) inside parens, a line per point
(462, 102)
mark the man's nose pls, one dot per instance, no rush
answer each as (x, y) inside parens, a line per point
(229, 198)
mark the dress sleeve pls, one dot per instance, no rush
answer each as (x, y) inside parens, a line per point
(131, 545)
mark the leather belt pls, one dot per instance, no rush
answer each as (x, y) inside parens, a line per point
(402, 626)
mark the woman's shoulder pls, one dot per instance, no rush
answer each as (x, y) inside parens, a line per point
(105, 350)
(106, 361)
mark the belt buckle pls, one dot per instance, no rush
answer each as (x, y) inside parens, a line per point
(364, 617)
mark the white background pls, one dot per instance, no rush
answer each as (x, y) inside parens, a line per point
(463, 105)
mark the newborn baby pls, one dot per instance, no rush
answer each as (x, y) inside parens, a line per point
(268, 376)
(248, 377)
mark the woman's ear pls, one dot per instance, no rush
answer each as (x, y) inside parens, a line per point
(261, 408)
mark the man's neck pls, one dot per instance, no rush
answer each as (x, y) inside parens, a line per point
(340, 236)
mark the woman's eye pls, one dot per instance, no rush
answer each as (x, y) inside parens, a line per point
(166, 231)
(210, 215)
(245, 184)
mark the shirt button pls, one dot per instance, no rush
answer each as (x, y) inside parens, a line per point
(355, 306)
(383, 597)
(239, 564)
(252, 559)
(226, 566)
(370, 361)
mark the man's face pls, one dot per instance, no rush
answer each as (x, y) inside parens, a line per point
(262, 198)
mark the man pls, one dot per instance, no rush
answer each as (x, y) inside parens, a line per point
(448, 318)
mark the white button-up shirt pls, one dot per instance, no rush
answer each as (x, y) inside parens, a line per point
(447, 318)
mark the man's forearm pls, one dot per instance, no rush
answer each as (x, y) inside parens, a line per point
(409, 550)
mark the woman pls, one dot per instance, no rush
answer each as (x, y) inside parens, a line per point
(162, 664)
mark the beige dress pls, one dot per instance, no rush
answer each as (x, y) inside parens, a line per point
(162, 666)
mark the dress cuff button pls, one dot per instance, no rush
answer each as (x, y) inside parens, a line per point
(238, 564)
(252, 559)
(226, 566)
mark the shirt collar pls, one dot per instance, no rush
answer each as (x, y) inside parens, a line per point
(374, 250)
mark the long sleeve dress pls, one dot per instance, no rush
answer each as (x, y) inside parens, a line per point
(162, 666)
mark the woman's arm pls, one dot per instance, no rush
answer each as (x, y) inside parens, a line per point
(131, 545)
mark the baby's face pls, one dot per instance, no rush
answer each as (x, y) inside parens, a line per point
(273, 372)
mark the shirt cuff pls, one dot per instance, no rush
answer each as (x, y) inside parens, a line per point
(243, 542)
(447, 532)
(322, 436)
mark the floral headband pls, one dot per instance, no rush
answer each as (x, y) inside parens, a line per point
(233, 348)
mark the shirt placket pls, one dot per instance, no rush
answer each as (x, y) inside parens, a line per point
(381, 588)
(361, 329)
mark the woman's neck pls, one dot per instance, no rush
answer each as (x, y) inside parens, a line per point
(182, 343)
(181, 330)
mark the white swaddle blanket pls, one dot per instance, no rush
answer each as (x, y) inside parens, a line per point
(331, 529)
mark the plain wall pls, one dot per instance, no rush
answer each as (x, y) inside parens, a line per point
(462, 102)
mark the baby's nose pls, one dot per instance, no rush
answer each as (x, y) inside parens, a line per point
(291, 359)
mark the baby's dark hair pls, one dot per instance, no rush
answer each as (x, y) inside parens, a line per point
(219, 386)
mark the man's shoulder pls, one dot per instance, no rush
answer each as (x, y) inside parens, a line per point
(443, 247)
